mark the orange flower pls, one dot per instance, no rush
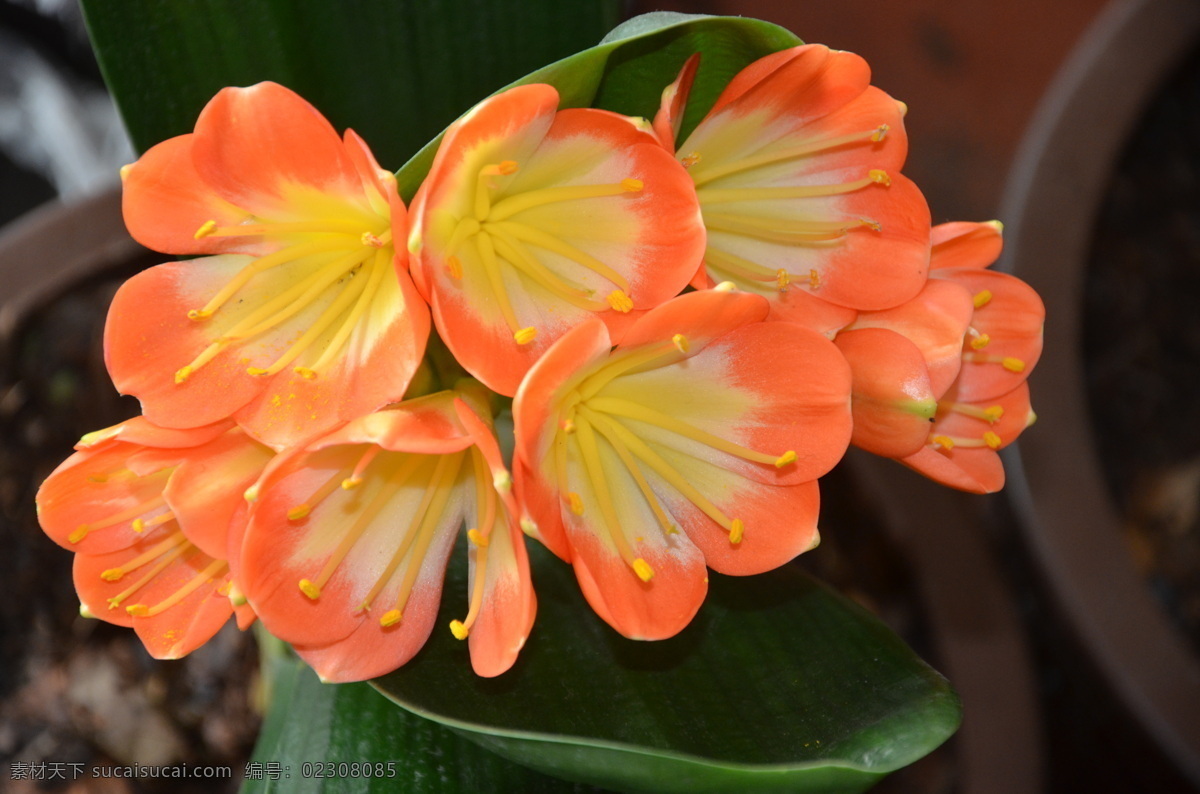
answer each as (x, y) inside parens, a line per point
(349, 537)
(148, 512)
(797, 171)
(533, 219)
(957, 355)
(303, 316)
(698, 440)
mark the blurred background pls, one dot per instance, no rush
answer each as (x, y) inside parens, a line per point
(1066, 611)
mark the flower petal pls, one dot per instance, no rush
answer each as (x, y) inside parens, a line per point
(165, 201)
(962, 244)
(268, 151)
(181, 591)
(892, 400)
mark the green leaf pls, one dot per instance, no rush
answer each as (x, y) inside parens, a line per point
(397, 71)
(778, 685)
(349, 739)
(627, 72)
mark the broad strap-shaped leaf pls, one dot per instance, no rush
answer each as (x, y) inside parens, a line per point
(778, 685)
(348, 738)
(628, 71)
(397, 73)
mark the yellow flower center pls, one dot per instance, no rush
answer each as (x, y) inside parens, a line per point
(349, 257)
(499, 238)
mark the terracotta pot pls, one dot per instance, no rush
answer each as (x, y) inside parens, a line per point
(1068, 517)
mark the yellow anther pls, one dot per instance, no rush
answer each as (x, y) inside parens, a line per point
(874, 226)
(84, 612)
(691, 160)
(945, 442)
(199, 315)
(782, 279)
(1013, 364)
(298, 512)
(454, 267)
(529, 527)
(502, 481)
(459, 630)
(879, 177)
(993, 413)
(182, 374)
(257, 371)
(350, 483)
(138, 610)
(785, 459)
(371, 241)
(726, 286)
(681, 343)
(79, 534)
(507, 167)
(206, 228)
(139, 525)
(390, 618)
(620, 301)
(992, 440)
(631, 185)
(736, 531)
(880, 133)
(814, 279)
(112, 575)
(305, 373)
(525, 335)
(567, 426)
(980, 342)
(575, 503)
(309, 589)
(642, 569)
(477, 537)
(251, 494)
(982, 299)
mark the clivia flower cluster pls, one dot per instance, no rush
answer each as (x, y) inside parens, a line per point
(691, 332)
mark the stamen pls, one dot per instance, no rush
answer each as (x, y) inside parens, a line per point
(356, 478)
(390, 618)
(787, 231)
(625, 361)
(620, 301)
(309, 589)
(690, 160)
(982, 298)
(491, 266)
(567, 426)
(681, 343)
(814, 279)
(945, 442)
(594, 470)
(525, 335)
(206, 228)
(782, 279)
(549, 242)
(575, 503)
(508, 207)
(736, 531)
(992, 440)
(605, 427)
(724, 195)
(1013, 364)
(1008, 362)
(379, 271)
(990, 414)
(454, 267)
(979, 341)
(483, 185)
(131, 514)
(166, 559)
(642, 569)
(519, 257)
(788, 153)
(477, 537)
(301, 510)
(641, 413)
(115, 574)
(460, 631)
(437, 495)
